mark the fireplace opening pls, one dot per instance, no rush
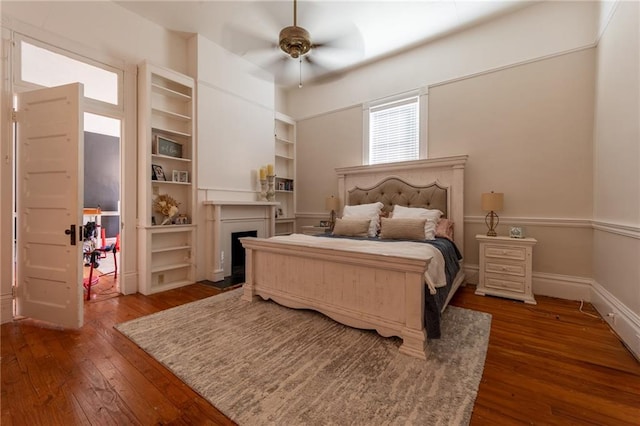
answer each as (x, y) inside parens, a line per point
(238, 256)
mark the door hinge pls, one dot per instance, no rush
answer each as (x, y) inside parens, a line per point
(14, 291)
(14, 115)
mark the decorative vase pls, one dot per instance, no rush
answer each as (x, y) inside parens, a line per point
(166, 220)
(263, 190)
(271, 190)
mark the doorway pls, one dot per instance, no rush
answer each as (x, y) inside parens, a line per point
(36, 65)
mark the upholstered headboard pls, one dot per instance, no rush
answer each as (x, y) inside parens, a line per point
(435, 183)
(393, 190)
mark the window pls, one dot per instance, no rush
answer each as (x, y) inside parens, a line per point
(394, 131)
(45, 67)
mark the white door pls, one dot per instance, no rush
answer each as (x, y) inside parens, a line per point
(49, 205)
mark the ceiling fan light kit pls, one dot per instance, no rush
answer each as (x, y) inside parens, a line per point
(295, 41)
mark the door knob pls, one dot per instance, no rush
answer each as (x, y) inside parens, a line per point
(72, 234)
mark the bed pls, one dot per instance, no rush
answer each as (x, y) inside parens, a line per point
(366, 289)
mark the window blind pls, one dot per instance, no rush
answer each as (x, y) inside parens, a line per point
(394, 131)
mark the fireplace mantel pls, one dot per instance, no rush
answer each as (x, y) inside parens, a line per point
(225, 217)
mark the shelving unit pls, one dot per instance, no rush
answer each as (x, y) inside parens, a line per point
(285, 170)
(166, 111)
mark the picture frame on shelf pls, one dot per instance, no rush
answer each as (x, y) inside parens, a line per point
(279, 212)
(516, 232)
(280, 186)
(180, 176)
(182, 219)
(167, 147)
(158, 173)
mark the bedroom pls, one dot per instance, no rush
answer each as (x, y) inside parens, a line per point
(573, 145)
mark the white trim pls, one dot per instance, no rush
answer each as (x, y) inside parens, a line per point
(617, 228)
(562, 286)
(514, 65)
(453, 80)
(624, 322)
(535, 221)
(625, 230)
(235, 95)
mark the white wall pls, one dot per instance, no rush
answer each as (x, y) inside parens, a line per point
(235, 125)
(235, 122)
(617, 174)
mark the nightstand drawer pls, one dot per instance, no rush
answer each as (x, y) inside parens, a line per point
(513, 253)
(502, 284)
(505, 268)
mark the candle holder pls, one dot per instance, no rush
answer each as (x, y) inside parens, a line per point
(263, 190)
(271, 190)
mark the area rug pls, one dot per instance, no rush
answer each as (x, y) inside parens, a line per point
(261, 363)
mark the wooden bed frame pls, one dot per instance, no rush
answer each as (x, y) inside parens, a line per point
(368, 291)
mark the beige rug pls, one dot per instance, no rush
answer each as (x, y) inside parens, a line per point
(264, 364)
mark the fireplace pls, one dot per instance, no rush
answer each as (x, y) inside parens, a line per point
(230, 217)
(237, 256)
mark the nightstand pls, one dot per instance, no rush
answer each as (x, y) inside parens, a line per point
(315, 230)
(505, 267)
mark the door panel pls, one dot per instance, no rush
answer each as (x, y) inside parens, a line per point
(49, 196)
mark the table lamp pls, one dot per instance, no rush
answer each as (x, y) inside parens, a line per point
(332, 204)
(492, 203)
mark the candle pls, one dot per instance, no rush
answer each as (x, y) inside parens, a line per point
(263, 173)
(269, 169)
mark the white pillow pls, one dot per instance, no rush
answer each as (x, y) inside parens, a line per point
(371, 211)
(432, 217)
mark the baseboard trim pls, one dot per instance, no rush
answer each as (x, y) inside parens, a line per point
(562, 286)
(545, 284)
(624, 322)
(621, 319)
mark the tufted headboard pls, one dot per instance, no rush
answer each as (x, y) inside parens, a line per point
(435, 183)
(393, 190)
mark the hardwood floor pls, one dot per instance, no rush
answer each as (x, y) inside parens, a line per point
(546, 364)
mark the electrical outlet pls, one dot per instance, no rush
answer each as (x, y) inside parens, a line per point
(160, 278)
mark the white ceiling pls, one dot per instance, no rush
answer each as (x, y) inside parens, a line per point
(363, 31)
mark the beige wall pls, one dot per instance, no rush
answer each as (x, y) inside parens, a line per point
(617, 159)
(528, 133)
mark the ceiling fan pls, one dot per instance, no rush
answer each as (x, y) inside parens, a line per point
(295, 41)
(323, 58)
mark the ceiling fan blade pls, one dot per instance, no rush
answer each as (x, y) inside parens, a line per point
(241, 41)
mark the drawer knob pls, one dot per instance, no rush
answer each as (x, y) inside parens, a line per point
(504, 268)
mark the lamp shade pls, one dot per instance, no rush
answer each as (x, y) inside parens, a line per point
(331, 203)
(492, 201)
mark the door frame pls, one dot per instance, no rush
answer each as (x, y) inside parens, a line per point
(125, 112)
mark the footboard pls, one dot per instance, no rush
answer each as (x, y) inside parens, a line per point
(362, 290)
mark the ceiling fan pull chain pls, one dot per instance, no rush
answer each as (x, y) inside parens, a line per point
(300, 83)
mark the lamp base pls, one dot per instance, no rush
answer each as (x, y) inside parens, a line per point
(489, 220)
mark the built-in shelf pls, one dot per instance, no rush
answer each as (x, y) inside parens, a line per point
(168, 249)
(285, 170)
(166, 157)
(166, 105)
(174, 132)
(171, 114)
